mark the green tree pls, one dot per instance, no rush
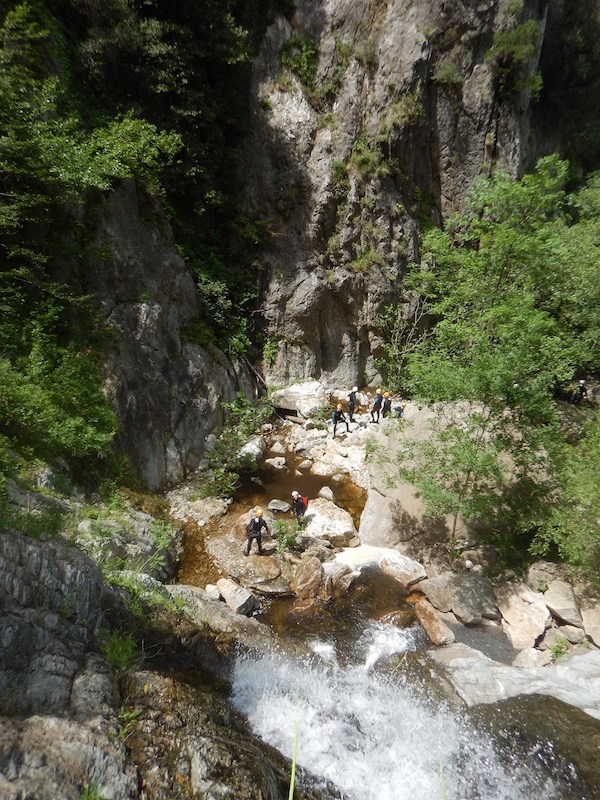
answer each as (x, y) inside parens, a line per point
(496, 340)
(573, 527)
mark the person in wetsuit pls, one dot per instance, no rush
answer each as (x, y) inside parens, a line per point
(352, 402)
(298, 507)
(254, 531)
(376, 406)
(339, 416)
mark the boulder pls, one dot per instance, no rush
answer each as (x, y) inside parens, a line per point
(406, 571)
(525, 615)
(469, 596)
(237, 598)
(307, 578)
(531, 657)
(327, 493)
(574, 678)
(327, 521)
(279, 505)
(303, 399)
(591, 623)
(276, 463)
(338, 579)
(437, 631)
(253, 449)
(560, 599)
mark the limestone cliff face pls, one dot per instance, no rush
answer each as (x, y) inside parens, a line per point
(167, 391)
(404, 112)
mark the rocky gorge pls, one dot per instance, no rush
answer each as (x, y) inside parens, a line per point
(143, 655)
(74, 720)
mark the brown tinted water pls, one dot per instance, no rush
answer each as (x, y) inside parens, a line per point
(196, 567)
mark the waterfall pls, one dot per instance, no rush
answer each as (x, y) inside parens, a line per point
(370, 733)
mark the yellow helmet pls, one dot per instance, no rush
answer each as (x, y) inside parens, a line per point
(386, 394)
(259, 512)
(378, 391)
(339, 406)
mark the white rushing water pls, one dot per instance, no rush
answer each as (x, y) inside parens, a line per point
(369, 734)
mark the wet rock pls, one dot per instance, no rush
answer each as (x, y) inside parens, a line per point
(437, 631)
(307, 578)
(338, 580)
(525, 615)
(560, 599)
(199, 746)
(204, 611)
(279, 505)
(327, 494)
(237, 598)
(574, 679)
(277, 463)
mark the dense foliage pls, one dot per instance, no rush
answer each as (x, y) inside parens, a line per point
(510, 288)
(51, 402)
(91, 92)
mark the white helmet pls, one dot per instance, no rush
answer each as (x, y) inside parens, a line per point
(582, 383)
(295, 493)
(354, 389)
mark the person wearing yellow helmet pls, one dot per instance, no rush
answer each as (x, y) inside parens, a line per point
(254, 531)
(339, 416)
(387, 404)
(376, 406)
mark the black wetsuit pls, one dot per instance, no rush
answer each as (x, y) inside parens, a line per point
(339, 416)
(376, 408)
(299, 509)
(351, 405)
(254, 531)
(387, 406)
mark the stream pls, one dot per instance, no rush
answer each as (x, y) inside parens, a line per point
(367, 711)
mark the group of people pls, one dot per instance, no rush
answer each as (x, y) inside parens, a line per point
(382, 406)
(257, 524)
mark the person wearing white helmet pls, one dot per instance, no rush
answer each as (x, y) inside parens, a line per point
(298, 507)
(579, 393)
(254, 531)
(352, 402)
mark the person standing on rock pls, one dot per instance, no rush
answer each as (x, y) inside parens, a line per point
(376, 406)
(352, 402)
(339, 416)
(387, 404)
(254, 531)
(298, 507)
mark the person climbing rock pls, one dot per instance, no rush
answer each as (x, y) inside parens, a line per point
(376, 406)
(579, 393)
(352, 402)
(298, 507)
(387, 404)
(337, 417)
(254, 531)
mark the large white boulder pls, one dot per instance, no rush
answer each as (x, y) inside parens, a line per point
(327, 521)
(302, 398)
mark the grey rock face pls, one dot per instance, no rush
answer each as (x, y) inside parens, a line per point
(165, 389)
(345, 173)
(58, 698)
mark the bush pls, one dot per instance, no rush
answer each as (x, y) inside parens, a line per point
(286, 532)
(119, 649)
